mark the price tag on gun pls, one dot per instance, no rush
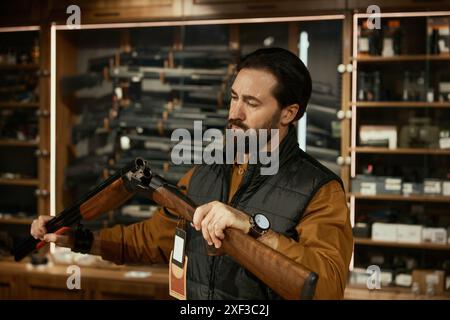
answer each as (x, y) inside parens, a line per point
(178, 266)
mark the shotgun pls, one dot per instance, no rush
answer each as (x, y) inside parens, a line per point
(287, 278)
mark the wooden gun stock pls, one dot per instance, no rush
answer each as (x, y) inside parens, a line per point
(287, 278)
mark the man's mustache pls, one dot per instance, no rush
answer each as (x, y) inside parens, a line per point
(237, 123)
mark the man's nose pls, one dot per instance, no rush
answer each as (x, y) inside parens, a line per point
(237, 111)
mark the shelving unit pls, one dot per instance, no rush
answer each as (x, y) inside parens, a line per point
(425, 246)
(412, 151)
(412, 198)
(412, 163)
(25, 174)
(402, 58)
(398, 104)
(241, 38)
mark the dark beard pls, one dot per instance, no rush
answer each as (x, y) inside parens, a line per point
(270, 124)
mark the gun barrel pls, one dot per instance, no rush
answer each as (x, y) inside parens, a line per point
(86, 207)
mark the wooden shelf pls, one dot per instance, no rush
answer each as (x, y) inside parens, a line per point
(401, 150)
(17, 143)
(403, 58)
(28, 66)
(432, 246)
(16, 220)
(13, 104)
(359, 292)
(400, 104)
(19, 182)
(393, 197)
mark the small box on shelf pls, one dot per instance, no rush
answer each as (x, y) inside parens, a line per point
(409, 233)
(434, 235)
(412, 188)
(384, 232)
(378, 136)
(431, 282)
(432, 187)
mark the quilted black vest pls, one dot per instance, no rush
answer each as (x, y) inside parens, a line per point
(282, 198)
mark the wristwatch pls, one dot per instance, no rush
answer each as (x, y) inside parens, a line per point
(259, 225)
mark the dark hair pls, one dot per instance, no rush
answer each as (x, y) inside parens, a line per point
(294, 81)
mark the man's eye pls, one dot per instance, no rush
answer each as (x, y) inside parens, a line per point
(234, 97)
(253, 105)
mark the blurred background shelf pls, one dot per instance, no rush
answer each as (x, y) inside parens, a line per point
(399, 104)
(25, 221)
(389, 197)
(403, 58)
(19, 182)
(14, 104)
(28, 66)
(18, 143)
(370, 242)
(357, 292)
(414, 151)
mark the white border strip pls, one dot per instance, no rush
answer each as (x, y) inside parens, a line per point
(201, 22)
(52, 125)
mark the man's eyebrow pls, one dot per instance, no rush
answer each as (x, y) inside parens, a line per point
(246, 96)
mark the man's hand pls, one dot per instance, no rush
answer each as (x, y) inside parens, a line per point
(38, 231)
(214, 217)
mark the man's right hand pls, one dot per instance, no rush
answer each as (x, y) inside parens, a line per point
(38, 231)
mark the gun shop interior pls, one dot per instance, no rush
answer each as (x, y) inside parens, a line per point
(88, 86)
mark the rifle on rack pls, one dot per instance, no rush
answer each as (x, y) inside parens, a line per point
(287, 278)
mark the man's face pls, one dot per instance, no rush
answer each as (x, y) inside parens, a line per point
(253, 105)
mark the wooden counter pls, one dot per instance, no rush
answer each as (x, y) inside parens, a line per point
(19, 280)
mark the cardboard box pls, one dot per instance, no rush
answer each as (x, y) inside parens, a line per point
(368, 135)
(446, 188)
(432, 187)
(403, 280)
(365, 184)
(425, 277)
(391, 185)
(434, 235)
(384, 231)
(412, 188)
(407, 233)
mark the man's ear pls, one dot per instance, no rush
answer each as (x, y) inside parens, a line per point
(288, 114)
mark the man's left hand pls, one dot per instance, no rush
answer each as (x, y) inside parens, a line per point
(214, 217)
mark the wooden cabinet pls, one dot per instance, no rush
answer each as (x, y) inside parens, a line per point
(397, 90)
(22, 281)
(25, 129)
(117, 11)
(386, 5)
(255, 8)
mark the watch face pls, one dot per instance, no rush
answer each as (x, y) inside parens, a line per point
(262, 222)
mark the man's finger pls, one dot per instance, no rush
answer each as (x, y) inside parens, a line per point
(204, 225)
(51, 237)
(212, 234)
(218, 230)
(199, 214)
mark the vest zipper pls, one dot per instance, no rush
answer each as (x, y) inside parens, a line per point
(211, 278)
(237, 196)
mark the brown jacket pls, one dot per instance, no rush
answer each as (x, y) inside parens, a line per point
(325, 243)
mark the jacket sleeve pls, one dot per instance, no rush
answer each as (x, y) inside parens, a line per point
(147, 242)
(325, 241)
